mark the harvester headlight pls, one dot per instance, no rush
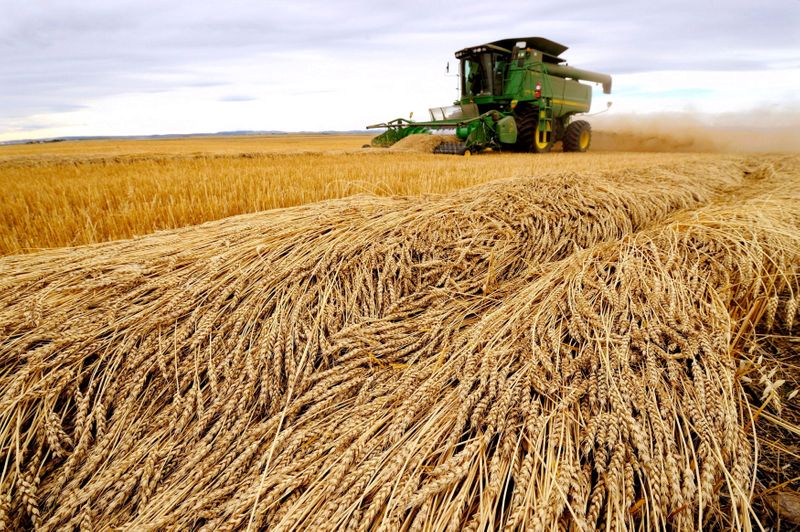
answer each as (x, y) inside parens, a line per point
(538, 92)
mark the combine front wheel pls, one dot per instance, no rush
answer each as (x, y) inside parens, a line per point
(542, 142)
(578, 136)
(527, 118)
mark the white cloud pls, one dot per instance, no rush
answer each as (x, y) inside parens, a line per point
(705, 91)
(146, 67)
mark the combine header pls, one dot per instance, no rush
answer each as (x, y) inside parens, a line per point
(516, 94)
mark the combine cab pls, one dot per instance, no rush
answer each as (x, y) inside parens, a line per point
(516, 94)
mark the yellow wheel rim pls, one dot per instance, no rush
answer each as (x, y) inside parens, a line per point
(583, 142)
(541, 145)
(467, 153)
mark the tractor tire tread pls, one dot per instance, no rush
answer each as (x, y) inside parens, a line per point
(572, 136)
(526, 118)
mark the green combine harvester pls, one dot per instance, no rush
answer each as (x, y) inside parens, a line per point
(516, 94)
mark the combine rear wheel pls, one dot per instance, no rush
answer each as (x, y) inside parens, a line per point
(578, 136)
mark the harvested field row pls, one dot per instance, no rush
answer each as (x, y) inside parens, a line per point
(530, 352)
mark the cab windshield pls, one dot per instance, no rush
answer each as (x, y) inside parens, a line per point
(482, 74)
(472, 78)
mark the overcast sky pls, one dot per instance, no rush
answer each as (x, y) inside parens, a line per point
(116, 67)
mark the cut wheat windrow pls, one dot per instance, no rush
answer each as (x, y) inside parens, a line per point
(531, 352)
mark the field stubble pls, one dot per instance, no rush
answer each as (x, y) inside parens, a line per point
(582, 347)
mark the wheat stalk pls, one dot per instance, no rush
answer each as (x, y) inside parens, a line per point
(540, 352)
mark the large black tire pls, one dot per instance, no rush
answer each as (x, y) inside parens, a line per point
(527, 119)
(578, 136)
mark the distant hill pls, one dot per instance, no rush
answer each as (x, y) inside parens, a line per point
(185, 135)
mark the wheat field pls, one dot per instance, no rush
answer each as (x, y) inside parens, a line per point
(568, 342)
(73, 193)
